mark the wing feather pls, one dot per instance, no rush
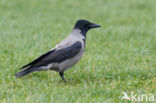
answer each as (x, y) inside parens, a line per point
(56, 56)
(36, 60)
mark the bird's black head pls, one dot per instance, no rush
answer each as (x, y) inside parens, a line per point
(85, 25)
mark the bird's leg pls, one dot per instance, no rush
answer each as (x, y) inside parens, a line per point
(62, 76)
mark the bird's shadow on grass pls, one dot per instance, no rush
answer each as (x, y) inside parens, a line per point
(69, 80)
(79, 79)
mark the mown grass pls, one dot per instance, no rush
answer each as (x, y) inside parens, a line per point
(120, 56)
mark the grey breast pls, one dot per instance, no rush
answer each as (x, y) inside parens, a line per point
(71, 39)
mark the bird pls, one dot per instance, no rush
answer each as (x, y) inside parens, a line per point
(125, 96)
(64, 55)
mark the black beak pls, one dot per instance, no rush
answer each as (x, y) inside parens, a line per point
(92, 25)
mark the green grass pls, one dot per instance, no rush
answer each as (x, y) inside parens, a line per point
(120, 56)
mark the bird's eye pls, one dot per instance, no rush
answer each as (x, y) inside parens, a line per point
(86, 25)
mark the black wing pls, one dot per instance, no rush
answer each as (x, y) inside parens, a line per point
(56, 55)
(36, 60)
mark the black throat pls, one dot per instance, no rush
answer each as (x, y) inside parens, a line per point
(83, 32)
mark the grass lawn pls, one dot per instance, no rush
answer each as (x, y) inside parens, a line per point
(120, 56)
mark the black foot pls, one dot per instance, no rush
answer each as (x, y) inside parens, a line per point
(62, 76)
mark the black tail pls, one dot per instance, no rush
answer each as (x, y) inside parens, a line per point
(25, 72)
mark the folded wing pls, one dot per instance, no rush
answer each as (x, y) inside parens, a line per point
(56, 56)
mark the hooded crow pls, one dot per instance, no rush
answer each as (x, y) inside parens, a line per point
(66, 54)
